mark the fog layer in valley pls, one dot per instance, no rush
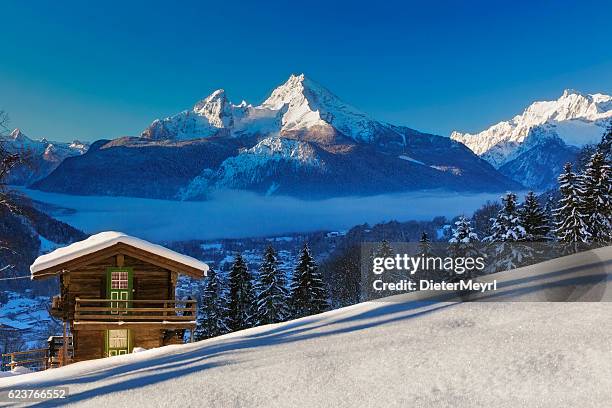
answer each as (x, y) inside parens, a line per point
(238, 214)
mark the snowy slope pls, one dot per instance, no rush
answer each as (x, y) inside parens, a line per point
(44, 156)
(399, 352)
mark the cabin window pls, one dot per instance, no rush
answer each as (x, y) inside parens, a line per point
(119, 280)
(118, 339)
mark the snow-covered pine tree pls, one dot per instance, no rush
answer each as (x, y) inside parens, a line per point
(424, 244)
(212, 309)
(463, 232)
(507, 225)
(605, 146)
(462, 245)
(308, 293)
(428, 250)
(571, 228)
(506, 253)
(533, 218)
(383, 250)
(241, 305)
(596, 205)
(272, 294)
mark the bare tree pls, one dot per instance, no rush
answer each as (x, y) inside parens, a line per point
(8, 160)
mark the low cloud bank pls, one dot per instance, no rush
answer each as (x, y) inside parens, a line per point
(239, 214)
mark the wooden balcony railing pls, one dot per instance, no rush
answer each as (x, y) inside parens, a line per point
(152, 311)
(39, 359)
(36, 360)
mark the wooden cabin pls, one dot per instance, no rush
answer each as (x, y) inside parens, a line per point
(117, 292)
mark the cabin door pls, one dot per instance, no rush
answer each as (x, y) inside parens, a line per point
(119, 289)
(119, 285)
(117, 342)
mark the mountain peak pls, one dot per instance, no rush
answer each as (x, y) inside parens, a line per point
(18, 135)
(569, 91)
(216, 108)
(574, 118)
(217, 96)
(296, 105)
(292, 92)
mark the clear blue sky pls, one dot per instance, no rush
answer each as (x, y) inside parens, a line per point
(94, 70)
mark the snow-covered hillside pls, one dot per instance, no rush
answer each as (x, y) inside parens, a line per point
(43, 156)
(401, 351)
(570, 122)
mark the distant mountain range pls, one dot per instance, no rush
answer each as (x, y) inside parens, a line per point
(301, 141)
(532, 147)
(42, 155)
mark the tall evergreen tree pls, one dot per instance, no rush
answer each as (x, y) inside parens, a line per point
(508, 232)
(308, 293)
(272, 295)
(507, 225)
(463, 232)
(212, 309)
(462, 245)
(241, 313)
(424, 244)
(596, 205)
(534, 219)
(343, 271)
(571, 228)
(384, 250)
(605, 146)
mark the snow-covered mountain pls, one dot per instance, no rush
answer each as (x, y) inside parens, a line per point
(297, 106)
(301, 141)
(43, 156)
(517, 145)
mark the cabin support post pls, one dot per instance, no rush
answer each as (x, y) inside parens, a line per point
(64, 347)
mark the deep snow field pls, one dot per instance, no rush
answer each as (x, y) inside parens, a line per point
(401, 351)
(239, 214)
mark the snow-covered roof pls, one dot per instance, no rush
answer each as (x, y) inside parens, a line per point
(107, 239)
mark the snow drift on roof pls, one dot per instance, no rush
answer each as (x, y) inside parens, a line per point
(107, 239)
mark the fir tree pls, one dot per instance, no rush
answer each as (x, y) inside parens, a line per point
(424, 244)
(272, 294)
(534, 219)
(596, 205)
(571, 226)
(212, 309)
(605, 146)
(507, 225)
(463, 233)
(308, 293)
(384, 250)
(463, 245)
(241, 305)
(507, 234)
